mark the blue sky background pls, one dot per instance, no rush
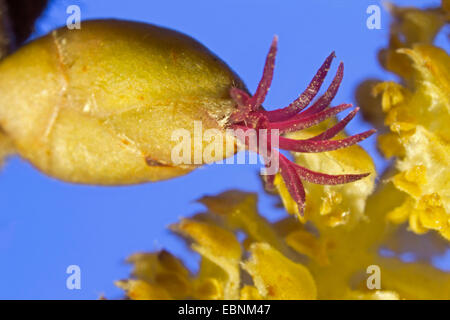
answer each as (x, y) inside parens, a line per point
(47, 225)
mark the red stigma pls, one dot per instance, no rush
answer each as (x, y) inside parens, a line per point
(251, 115)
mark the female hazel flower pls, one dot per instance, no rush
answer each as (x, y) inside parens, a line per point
(295, 117)
(99, 105)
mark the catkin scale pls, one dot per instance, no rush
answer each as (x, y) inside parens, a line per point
(99, 105)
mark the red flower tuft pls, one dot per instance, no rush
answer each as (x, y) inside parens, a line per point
(251, 115)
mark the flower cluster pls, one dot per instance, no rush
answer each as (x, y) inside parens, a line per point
(221, 276)
(416, 117)
(330, 266)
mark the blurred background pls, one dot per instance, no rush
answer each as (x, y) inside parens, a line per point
(47, 225)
